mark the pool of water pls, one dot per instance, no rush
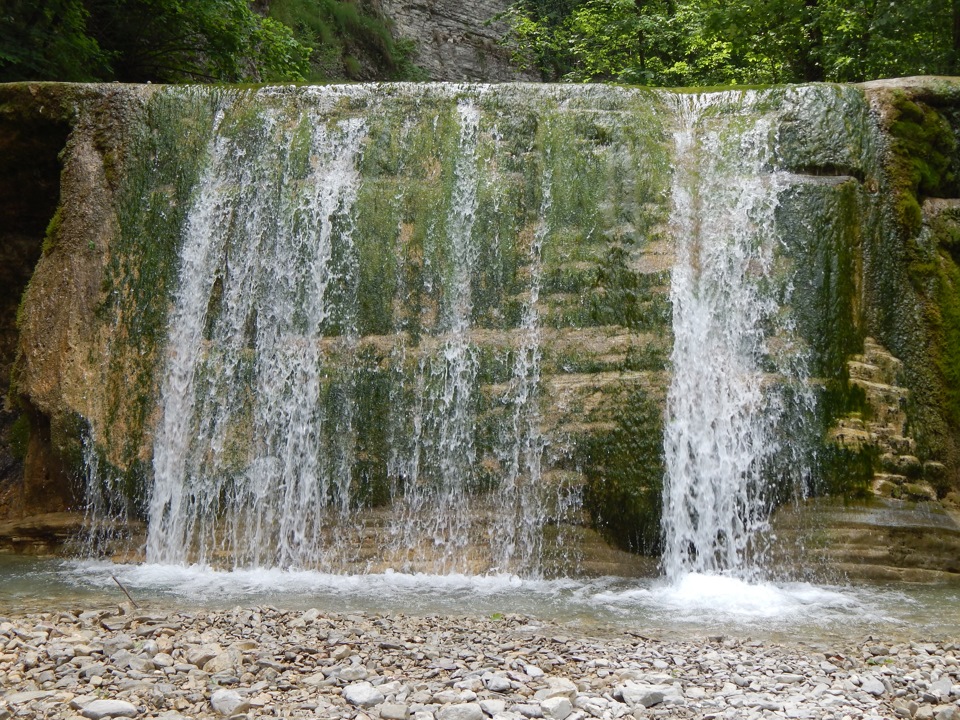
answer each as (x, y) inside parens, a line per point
(696, 605)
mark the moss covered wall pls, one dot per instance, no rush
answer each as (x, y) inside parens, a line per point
(868, 248)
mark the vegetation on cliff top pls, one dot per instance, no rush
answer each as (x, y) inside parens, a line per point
(197, 41)
(715, 42)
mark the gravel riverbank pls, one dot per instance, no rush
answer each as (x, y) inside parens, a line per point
(266, 663)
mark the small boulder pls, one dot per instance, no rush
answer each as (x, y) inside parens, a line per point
(108, 709)
(228, 702)
(363, 694)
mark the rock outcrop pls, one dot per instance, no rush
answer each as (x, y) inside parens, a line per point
(457, 41)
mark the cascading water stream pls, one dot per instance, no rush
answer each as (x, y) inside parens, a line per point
(266, 246)
(723, 411)
(427, 329)
(434, 509)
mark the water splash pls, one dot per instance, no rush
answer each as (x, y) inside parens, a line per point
(724, 410)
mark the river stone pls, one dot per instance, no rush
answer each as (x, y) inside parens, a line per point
(352, 673)
(493, 707)
(635, 694)
(228, 702)
(556, 708)
(108, 708)
(528, 710)
(228, 661)
(557, 687)
(315, 680)
(873, 686)
(394, 711)
(27, 696)
(462, 711)
(496, 683)
(942, 687)
(200, 655)
(363, 694)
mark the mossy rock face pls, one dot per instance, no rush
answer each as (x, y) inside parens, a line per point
(624, 468)
(911, 274)
(573, 251)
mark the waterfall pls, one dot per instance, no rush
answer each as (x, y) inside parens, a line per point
(256, 265)
(444, 328)
(263, 453)
(435, 511)
(724, 412)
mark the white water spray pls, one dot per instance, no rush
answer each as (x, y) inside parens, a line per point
(723, 409)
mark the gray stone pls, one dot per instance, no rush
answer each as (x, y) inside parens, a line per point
(556, 708)
(528, 710)
(230, 660)
(634, 694)
(363, 694)
(942, 687)
(456, 41)
(200, 655)
(461, 711)
(394, 711)
(873, 686)
(493, 707)
(496, 683)
(228, 702)
(97, 709)
(353, 673)
(28, 696)
(557, 687)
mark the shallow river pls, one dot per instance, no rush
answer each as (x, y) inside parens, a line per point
(698, 605)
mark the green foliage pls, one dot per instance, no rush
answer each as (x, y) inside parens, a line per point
(40, 40)
(146, 40)
(345, 41)
(714, 42)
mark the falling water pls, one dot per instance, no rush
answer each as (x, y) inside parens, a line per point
(259, 456)
(259, 243)
(432, 508)
(723, 410)
(413, 326)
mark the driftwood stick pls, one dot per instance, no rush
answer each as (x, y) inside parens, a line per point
(120, 585)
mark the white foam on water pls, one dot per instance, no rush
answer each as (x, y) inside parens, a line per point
(395, 589)
(710, 600)
(697, 602)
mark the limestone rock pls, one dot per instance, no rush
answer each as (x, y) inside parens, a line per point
(461, 711)
(363, 694)
(108, 709)
(556, 708)
(228, 702)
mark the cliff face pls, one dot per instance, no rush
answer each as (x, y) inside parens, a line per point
(456, 41)
(418, 286)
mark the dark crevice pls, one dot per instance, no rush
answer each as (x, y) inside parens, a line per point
(29, 193)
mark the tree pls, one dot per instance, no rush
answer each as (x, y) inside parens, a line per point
(48, 40)
(140, 40)
(707, 42)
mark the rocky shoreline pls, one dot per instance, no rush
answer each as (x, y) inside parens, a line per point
(263, 662)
